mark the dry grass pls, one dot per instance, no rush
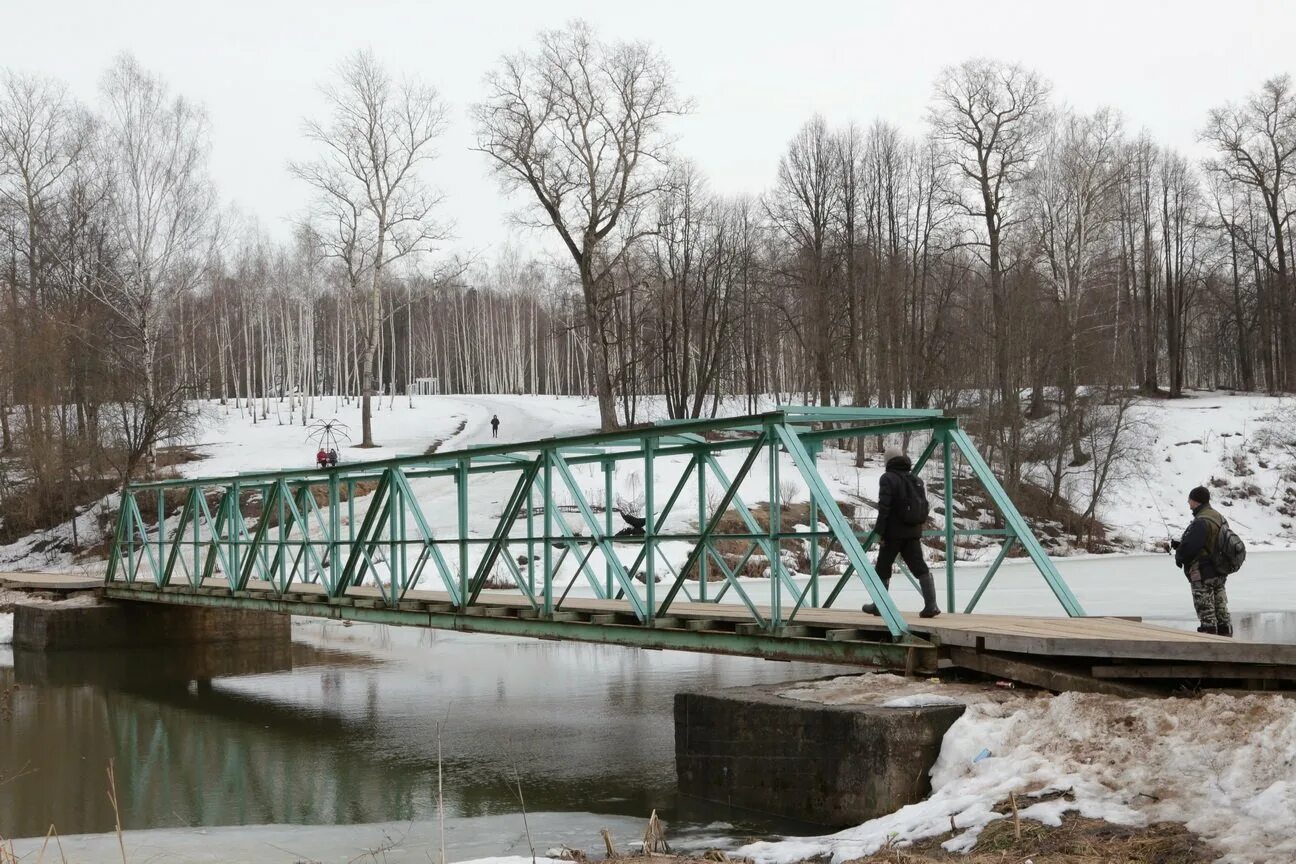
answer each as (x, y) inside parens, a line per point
(1076, 841)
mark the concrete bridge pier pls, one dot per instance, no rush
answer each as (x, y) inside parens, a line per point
(119, 625)
(830, 765)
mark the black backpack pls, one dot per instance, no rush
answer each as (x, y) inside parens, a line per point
(911, 507)
(1230, 552)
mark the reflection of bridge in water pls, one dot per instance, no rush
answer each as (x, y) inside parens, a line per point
(354, 542)
(292, 748)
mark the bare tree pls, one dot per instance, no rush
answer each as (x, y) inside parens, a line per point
(990, 118)
(1074, 196)
(42, 135)
(1256, 143)
(161, 218)
(1183, 254)
(805, 207)
(578, 123)
(372, 200)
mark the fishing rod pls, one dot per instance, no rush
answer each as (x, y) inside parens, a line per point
(1160, 514)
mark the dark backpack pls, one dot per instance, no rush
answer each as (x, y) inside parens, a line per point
(1230, 552)
(911, 507)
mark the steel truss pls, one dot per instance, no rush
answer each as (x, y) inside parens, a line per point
(292, 527)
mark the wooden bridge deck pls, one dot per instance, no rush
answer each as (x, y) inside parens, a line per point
(1102, 654)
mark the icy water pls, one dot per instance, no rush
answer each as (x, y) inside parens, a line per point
(344, 728)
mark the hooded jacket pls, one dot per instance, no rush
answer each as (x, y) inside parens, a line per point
(890, 490)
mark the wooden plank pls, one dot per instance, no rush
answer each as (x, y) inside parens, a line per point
(1222, 650)
(1038, 674)
(1245, 671)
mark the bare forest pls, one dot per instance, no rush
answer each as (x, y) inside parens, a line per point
(1034, 268)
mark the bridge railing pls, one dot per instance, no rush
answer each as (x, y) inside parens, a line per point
(409, 522)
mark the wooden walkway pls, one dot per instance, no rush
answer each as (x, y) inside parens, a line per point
(1111, 655)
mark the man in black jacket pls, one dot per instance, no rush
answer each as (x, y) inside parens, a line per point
(898, 537)
(1195, 553)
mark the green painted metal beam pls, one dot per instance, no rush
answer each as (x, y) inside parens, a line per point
(919, 653)
(1017, 523)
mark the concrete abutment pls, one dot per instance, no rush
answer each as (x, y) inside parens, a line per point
(829, 765)
(111, 624)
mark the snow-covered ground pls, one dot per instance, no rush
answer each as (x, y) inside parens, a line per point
(1222, 442)
(1223, 765)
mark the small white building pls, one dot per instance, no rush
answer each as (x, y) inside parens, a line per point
(423, 387)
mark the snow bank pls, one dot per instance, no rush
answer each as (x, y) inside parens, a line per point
(1192, 442)
(1223, 765)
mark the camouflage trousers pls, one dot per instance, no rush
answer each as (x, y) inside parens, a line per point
(1209, 599)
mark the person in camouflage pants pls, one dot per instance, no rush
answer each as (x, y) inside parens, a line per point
(1195, 553)
(1210, 601)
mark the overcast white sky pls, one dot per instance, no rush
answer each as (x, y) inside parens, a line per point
(755, 70)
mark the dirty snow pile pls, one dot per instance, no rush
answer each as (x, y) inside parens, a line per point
(1225, 766)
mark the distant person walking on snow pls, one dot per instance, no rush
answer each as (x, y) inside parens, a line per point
(1197, 553)
(902, 512)
(332, 457)
(321, 458)
(494, 425)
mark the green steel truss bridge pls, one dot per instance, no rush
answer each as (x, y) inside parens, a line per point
(372, 542)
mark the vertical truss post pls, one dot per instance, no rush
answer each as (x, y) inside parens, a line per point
(702, 519)
(948, 463)
(530, 529)
(407, 501)
(234, 519)
(1017, 525)
(461, 484)
(127, 502)
(351, 523)
(163, 578)
(394, 514)
(775, 528)
(194, 495)
(548, 574)
(609, 475)
(284, 574)
(334, 528)
(812, 449)
(650, 531)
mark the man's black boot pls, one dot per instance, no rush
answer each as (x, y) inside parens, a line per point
(1207, 628)
(1224, 630)
(927, 585)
